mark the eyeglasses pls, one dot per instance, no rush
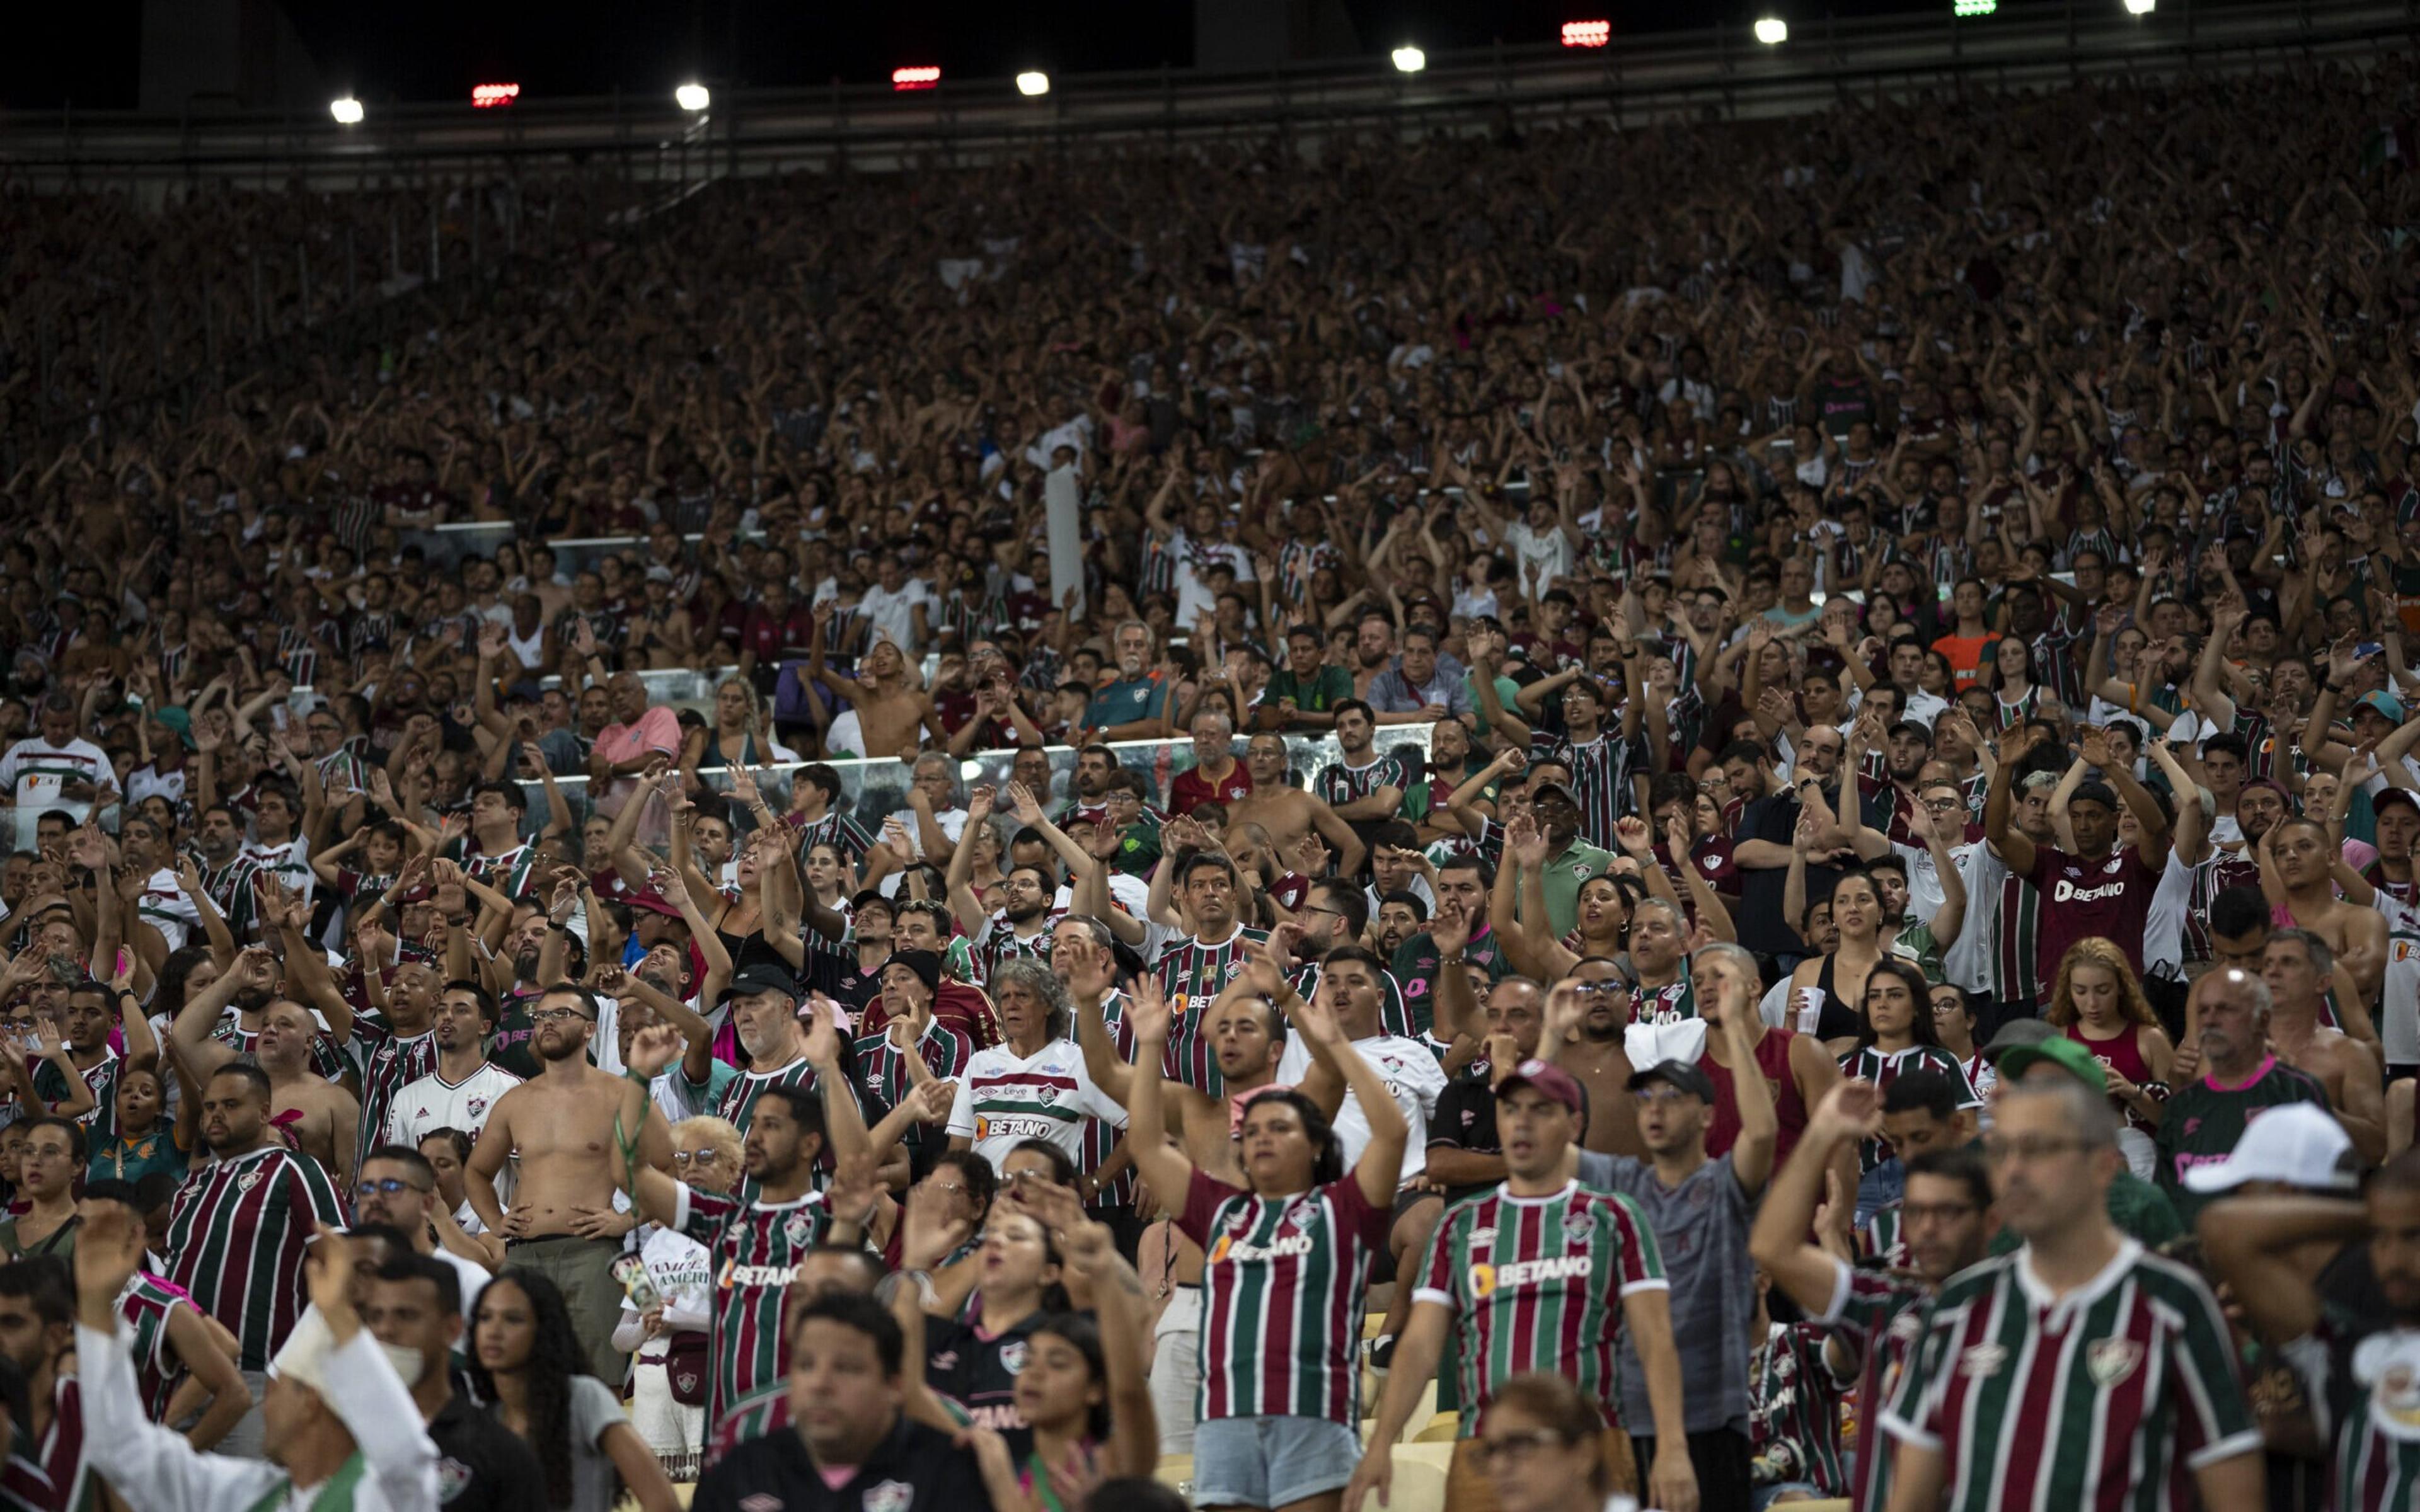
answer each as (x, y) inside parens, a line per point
(2000, 1151)
(702, 1157)
(385, 1186)
(1494, 1449)
(551, 1015)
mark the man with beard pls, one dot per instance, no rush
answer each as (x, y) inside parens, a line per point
(1192, 972)
(1288, 812)
(237, 1227)
(562, 1127)
(226, 876)
(1363, 786)
(1399, 917)
(2223, 1077)
(1133, 705)
(2280, 1257)
(319, 1116)
(1599, 759)
(398, 1190)
(764, 1004)
(466, 1084)
(1090, 799)
(1587, 1014)
(36, 1335)
(1874, 1314)
(1021, 927)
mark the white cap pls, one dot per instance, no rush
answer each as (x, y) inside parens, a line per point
(2298, 1145)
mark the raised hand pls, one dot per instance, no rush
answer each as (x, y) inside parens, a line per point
(1631, 833)
(1853, 1109)
(1023, 805)
(1147, 1012)
(979, 803)
(1526, 841)
(654, 1049)
(1449, 929)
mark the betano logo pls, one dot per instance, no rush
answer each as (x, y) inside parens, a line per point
(1297, 1247)
(1487, 1279)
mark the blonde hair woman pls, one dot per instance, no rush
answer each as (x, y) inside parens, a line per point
(2099, 1003)
(669, 1339)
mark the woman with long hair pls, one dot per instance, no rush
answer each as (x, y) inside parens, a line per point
(1280, 1388)
(527, 1364)
(2099, 1003)
(1897, 1037)
(973, 1358)
(1953, 1024)
(1541, 1444)
(1838, 977)
(669, 1339)
(2008, 675)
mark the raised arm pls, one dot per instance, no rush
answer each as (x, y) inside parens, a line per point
(1162, 1161)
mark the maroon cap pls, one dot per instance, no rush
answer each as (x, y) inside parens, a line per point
(1544, 1078)
(654, 902)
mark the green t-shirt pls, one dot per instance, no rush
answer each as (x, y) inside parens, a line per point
(2140, 1211)
(1326, 687)
(1508, 693)
(1564, 876)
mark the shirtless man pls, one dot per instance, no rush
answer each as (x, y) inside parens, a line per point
(1586, 1015)
(891, 712)
(2304, 858)
(561, 1127)
(2298, 966)
(317, 1117)
(1288, 813)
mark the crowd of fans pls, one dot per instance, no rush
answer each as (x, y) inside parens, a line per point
(1729, 806)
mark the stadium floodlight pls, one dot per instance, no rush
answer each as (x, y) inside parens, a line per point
(1033, 82)
(347, 110)
(693, 97)
(1586, 33)
(1972, 8)
(1410, 60)
(915, 76)
(2140, 7)
(1772, 31)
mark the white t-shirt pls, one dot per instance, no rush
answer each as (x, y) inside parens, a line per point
(1193, 596)
(1411, 1074)
(1004, 1099)
(894, 614)
(289, 863)
(433, 1103)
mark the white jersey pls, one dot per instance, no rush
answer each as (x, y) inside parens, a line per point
(2398, 1010)
(1412, 1074)
(1969, 962)
(164, 906)
(1005, 1099)
(289, 863)
(433, 1103)
(2163, 933)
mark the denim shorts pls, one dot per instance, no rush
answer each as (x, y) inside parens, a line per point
(1270, 1461)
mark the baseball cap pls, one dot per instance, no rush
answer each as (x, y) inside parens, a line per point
(2379, 800)
(2062, 1052)
(654, 902)
(2298, 1145)
(1678, 1074)
(1545, 788)
(2014, 1033)
(2386, 703)
(1546, 1078)
(760, 977)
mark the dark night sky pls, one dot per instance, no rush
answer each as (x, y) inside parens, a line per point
(87, 51)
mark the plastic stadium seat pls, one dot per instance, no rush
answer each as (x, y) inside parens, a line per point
(1420, 1477)
(1176, 1473)
(1444, 1427)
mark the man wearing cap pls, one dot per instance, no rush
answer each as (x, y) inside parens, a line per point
(1699, 1209)
(340, 1428)
(2225, 1077)
(1571, 861)
(2299, 970)
(2140, 1210)
(2292, 1256)
(1542, 1272)
(560, 1127)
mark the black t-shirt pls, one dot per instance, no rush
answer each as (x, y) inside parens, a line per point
(979, 1372)
(1761, 928)
(483, 1466)
(1465, 1120)
(915, 1469)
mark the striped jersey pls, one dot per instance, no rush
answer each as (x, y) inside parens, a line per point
(738, 1099)
(1191, 973)
(78, 761)
(2215, 873)
(144, 1306)
(1884, 1067)
(2362, 1395)
(1341, 785)
(1600, 769)
(2109, 1397)
(882, 1067)
(838, 830)
(1282, 1285)
(1877, 1316)
(63, 1449)
(1005, 1099)
(101, 1124)
(1001, 942)
(512, 873)
(755, 1246)
(236, 1233)
(230, 888)
(1100, 1136)
(388, 1064)
(1794, 1410)
(1536, 1284)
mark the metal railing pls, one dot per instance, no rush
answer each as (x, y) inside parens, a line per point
(1717, 73)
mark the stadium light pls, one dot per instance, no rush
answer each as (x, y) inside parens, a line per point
(1033, 82)
(1586, 33)
(347, 110)
(493, 95)
(1410, 60)
(2140, 7)
(1772, 31)
(921, 76)
(1964, 9)
(693, 97)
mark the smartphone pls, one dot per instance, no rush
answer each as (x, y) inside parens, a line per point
(125, 962)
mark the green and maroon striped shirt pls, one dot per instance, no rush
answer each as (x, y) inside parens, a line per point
(756, 1247)
(237, 1228)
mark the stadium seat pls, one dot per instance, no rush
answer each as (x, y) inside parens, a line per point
(1176, 1473)
(1420, 1477)
(1441, 1428)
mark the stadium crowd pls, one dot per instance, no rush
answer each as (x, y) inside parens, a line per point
(1725, 816)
